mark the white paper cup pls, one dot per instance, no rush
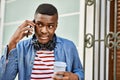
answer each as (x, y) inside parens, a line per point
(59, 66)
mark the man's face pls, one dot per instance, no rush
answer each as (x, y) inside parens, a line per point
(45, 27)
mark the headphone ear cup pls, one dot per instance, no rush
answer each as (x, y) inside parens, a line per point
(51, 45)
(36, 45)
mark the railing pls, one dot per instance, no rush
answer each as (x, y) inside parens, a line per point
(111, 40)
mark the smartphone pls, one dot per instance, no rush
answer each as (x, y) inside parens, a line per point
(29, 31)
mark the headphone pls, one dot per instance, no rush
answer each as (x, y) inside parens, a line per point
(48, 46)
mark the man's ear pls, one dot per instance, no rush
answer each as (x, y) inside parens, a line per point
(56, 25)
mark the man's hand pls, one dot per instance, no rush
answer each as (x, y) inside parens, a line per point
(20, 33)
(65, 76)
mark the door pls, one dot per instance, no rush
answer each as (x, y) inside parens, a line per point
(114, 57)
(101, 40)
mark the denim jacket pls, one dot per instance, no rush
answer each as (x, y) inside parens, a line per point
(20, 59)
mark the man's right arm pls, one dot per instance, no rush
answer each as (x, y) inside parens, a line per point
(8, 65)
(9, 62)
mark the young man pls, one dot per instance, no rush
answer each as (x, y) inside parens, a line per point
(33, 58)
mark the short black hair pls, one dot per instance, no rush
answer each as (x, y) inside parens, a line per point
(47, 9)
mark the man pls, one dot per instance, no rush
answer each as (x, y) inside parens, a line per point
(33, 58)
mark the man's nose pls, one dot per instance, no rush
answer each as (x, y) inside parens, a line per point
(44, 29)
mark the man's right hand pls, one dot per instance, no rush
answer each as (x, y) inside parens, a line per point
(20, 33)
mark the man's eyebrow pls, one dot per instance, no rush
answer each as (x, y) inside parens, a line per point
(42, 22)
(39, 22)
(51, 23)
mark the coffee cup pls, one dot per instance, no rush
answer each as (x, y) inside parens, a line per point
(59, 66)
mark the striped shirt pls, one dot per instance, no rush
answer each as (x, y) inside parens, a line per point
(43, 66)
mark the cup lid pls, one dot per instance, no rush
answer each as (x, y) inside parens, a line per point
(59, 63)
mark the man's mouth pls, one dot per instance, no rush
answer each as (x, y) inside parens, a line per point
(44, 38)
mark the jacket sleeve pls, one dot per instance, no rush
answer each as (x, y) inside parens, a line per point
(77, 66)
(8, 65)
